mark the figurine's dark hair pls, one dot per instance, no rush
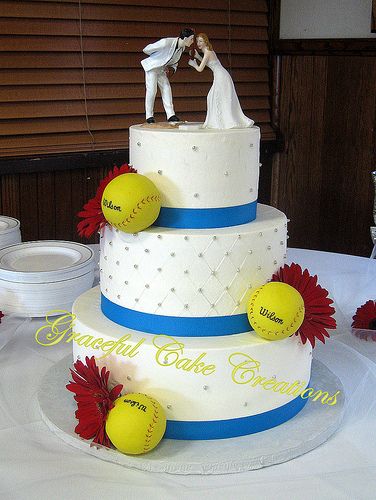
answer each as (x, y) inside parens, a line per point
(186, 32)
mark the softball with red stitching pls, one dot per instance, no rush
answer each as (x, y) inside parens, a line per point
(275, 310)
(136, 424)
(131, 202)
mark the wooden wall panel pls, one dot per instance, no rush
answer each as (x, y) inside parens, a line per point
(29, 207)
(301, 118)
(47, 203)
(46, 206)
(10, 195)
(327, 120)
(348, 156)
(80, 195)
(63, 205)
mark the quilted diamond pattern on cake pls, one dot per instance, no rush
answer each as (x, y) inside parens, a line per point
(225, 303)
(211, 290)
(172, 301)
(191, 272)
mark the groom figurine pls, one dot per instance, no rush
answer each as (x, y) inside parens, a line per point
(163, 54)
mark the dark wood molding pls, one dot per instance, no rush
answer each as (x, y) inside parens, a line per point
(66, 161)
(269, 148)
(274, 71)
(276, 92)
(326, 47)
(274, 22)
(92, 159)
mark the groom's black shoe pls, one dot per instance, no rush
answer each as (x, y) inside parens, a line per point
(173, 118)
(151, 119)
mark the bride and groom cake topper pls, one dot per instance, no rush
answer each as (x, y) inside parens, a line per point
(223, 107)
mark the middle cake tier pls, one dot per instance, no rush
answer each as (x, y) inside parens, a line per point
(189, 282)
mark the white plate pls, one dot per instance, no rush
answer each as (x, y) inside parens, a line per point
(38, 299)
(45, 261)
(10, 233)
(8, 224)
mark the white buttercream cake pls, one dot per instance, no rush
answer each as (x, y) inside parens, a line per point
(169, 318)
(204, 168)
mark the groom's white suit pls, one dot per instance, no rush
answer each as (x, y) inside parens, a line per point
(163, 53)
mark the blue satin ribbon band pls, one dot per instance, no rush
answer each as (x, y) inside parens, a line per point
(206, 218)
(222, 429)
(175, 325)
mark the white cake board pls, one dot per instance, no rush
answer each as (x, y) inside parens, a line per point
(307, 430)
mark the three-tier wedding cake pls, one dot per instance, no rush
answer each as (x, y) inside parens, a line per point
(170, 315)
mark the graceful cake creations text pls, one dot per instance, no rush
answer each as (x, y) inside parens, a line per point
(169, 352)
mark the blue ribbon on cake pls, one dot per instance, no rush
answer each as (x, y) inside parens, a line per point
(206, 218)
(222, 429)
(179, 326)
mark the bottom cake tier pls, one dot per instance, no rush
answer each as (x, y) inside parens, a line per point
(210, 387)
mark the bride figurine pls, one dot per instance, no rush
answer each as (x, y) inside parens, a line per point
(224, 109)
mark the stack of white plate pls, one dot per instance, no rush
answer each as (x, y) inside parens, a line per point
(38, 277)
(9, 231)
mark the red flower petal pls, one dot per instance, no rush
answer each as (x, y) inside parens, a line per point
(115, 392)
(365, 316)
(318, 311)
(92, 215)
(94, 399)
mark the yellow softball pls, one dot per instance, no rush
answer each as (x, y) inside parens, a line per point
(275, 310)
(131, 202)
(136, 424)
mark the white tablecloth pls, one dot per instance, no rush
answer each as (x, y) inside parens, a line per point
(34, 463)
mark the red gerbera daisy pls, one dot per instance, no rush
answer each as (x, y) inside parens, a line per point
(318, 312)
(365, 316)
(92, 215)
(94, 400)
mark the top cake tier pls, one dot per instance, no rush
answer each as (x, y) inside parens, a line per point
(207, 178)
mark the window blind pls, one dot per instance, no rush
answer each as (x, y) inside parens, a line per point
(70, 73)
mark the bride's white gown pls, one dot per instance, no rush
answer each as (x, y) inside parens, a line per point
(224, 109)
